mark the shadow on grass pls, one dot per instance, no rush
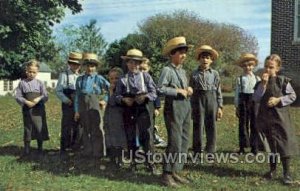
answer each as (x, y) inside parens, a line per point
(74, 165)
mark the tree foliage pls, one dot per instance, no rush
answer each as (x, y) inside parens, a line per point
(85, 38)
(229, 40)
(25, 31)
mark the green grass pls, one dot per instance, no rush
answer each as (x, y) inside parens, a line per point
(51, 173)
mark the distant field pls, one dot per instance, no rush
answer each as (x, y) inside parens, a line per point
(51, 173)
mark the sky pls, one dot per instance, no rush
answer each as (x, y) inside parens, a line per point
(117, 18)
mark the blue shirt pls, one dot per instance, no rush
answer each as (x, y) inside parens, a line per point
(90, 84)
(135, 84)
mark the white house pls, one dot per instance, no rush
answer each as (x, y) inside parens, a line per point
(7, 86)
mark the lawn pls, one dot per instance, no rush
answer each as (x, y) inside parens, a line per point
(52, 173)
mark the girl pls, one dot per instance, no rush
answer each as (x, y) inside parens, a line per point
(275, 94)
(115, 136)
(31, 94)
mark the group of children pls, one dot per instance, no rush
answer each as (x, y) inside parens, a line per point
(132, 102)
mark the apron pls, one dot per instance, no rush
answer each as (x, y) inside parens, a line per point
(34, 119)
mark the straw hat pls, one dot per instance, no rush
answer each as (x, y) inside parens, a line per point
(90, 58)
(208, 49)
(134, 54)
(75, 57)
(177, 42)
(246, 57)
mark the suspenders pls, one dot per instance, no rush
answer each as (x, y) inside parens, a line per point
(242, 85)
(95, 81)
(142, 80)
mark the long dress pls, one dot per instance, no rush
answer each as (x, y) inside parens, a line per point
(275, 122)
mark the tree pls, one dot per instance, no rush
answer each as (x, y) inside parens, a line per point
(86, 38)
(229, 40)
(25, 31)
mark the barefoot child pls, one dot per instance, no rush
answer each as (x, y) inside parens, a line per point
(31, 94)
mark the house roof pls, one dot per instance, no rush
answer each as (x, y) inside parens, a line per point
(44, 67)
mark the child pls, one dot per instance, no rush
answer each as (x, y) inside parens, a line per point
(88, 89)
(135, 92)
(65, 91)
(177, 109)
(113, 121)
(275, 94)
(244, 103)
(207, 101)
(158, 141)
(31, 94)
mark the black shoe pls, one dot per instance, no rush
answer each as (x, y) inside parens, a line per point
(241, 151)
(270, 175)
(287, 180)
(254, 151)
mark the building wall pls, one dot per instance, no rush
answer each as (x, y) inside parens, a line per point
(45, 77)
(282, 35)
(282, 40)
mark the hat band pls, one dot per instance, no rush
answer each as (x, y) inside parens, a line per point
(134, 56)
(181, 44)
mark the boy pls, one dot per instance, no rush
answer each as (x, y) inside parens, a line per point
(31, 94)
(136, 91)
(173, 85)
(207, 101)
(245, 109)
(275, 94)
(158, 141)
(88, 89)
(65, 91)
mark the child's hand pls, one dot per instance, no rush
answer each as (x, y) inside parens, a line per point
(69, 102)
(128, 101)
(156, 112)
(183, 92)
(102, 104)
(273, 101)
(30, 104)
(37, 100)
(265, 78)
(76, 116)
(219, 114)
(189, 91)
(140, 99)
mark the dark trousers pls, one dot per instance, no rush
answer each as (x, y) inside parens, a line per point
(248, 135)
(204, 106)
(93, 140)
(177, 115)
(71, 132)
(138, 118)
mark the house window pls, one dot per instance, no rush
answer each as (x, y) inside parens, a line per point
(5, 85)
(297, 21)
(11, 87)
(53, 84)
